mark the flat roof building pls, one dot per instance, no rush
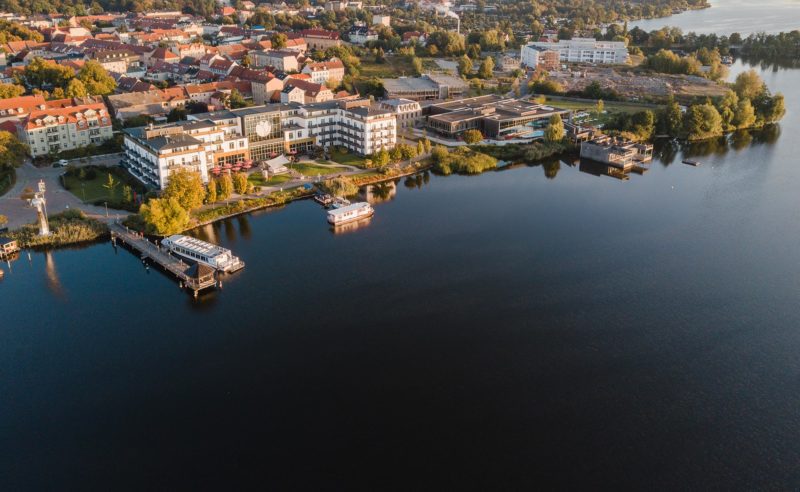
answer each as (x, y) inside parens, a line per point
(426, 87)
(495, 116)
(578, 50)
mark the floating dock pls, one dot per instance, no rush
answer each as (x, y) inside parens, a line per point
(192, 277)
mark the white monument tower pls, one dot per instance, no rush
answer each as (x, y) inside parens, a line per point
(40, 203)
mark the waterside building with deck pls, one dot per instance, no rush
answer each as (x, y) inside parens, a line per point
(617, 152)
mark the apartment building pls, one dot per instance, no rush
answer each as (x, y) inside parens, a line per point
(152, 153)
(408, 112)
(324, 72)
(283, 60)
(53, 130)
(318, 39)
(578, 50)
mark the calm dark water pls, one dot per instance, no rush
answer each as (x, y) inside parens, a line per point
(729, 16)
(481, 333)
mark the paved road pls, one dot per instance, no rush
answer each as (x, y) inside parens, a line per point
(58, 199)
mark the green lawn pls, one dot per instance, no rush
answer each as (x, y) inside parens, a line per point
(395, 66)
(344, 157)
(308, 169)
(92, 190)
(257, 179)
(611, 108)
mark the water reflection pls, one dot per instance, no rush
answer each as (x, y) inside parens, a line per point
(599, 169)
(551, 169)
(380, 192)
(244, 226)
(53, 281)
(351, 226)
(417, 180)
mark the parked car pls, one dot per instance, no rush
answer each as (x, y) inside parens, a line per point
(61, 163)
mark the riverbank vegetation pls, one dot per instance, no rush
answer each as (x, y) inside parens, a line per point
(69, 227)
(342, 186)
(462, 160)
(749, 104)
(528, 153)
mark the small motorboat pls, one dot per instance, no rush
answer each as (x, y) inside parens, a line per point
(691, 162)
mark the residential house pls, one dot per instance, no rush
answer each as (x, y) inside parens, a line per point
(318, 39)
(57, 129)
(283, 60)
(323, 72)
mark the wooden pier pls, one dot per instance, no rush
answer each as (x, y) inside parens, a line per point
(204, 277)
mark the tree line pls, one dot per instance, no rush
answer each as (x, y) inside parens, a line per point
(749, 104)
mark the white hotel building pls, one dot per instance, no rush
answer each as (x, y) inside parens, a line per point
(258, 133)
(152, 153)
(577, 50)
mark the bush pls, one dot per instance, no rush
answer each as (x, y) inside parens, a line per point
(68, 227)
(463, 161)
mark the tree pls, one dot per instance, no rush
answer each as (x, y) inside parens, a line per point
(211, 192)
(473, 136)
(96, 79)
(439, 153)
(672, 119)
(381, 158)
(547, 87)
(240, 183)
(555, 129)
(702, 121)
(396, 155)
(225, 187)
(110, 185)
(486, 70)
(341, 186)
(75, 88)
(748, 85)
(745, 114)
(420, 147)
(164, 216)
(127, 194)
(45, 73)
(236, 100)
(464, 66)
(278, 40)
(427, 144)
(12, 151)
(8, 91)
(416, 64)
(176, 114)
(186, 187)
(599, 107)
(727, 108)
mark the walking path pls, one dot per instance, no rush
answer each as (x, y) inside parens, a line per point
(20, 213)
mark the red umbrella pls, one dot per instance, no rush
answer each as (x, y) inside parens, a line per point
(228, 165)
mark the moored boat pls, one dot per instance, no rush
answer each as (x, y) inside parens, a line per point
(350, 213)
(196, 251)
(691, 162)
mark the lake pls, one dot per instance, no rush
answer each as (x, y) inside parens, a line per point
(729, 16)
(536, 325)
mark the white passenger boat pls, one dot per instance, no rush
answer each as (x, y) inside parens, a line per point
(350, 213)
(197, 251)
